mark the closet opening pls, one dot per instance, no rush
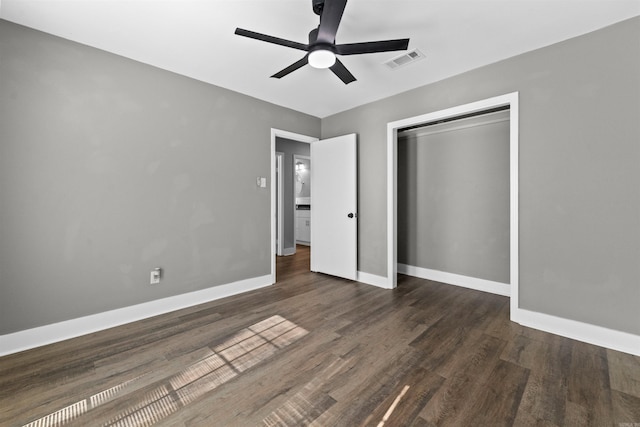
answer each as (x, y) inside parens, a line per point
(445, 183)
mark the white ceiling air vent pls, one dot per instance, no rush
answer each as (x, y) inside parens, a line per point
(404, 59)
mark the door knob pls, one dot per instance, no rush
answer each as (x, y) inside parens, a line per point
(350, 215)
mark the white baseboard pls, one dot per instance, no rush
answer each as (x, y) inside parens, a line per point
(42, 335)
(585, 332)
(373, 279)
(456, 279)
(592, 334)
(288, 251)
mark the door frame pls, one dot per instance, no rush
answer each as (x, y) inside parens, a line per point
(510, 99)
(295, 137)
(280, 202)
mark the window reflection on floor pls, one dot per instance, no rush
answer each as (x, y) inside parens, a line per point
(240, 352)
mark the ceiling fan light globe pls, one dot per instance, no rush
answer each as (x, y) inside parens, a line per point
(322, 58)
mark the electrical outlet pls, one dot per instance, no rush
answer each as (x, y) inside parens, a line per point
(155, 276)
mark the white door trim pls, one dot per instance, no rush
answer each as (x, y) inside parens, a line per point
(280, 199)
(511, 100)
(288, 135)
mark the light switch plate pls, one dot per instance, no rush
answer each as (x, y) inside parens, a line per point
(155, 276)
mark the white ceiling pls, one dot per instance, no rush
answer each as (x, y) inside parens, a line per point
(195, 38)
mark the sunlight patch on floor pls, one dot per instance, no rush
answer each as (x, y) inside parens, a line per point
(75, 410)
(386, 416)
(235, 355)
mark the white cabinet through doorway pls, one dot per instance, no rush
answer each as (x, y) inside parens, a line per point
(303, 226)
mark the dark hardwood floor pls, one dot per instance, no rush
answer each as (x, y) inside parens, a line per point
(317, 350)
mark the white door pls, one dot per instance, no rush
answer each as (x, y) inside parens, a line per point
(334, 201)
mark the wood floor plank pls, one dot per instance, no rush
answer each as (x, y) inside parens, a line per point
(545, 394)
(624, 372)
(370, 389)
(588, 386)
(406, 399)
(626, 408)
(498, 402)
(269, 388)
(466, 383)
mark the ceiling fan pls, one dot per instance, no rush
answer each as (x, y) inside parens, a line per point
(322, 48)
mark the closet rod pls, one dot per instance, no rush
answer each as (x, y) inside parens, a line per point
(451, 119)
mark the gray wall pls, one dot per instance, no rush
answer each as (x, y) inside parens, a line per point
(289, 148)
(109, 168)
(579, 175)
(453, 197)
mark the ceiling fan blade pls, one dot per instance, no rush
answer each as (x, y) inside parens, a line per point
(372, 47)
(341, 71)
(330, 19)
(291, 68)
(271, 39)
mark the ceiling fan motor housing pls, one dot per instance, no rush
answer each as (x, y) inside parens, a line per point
(322, 46)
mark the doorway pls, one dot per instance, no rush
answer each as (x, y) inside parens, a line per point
(295, 191)
(510, 101)
(276, 134)
(453, 201)
(334, 201)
